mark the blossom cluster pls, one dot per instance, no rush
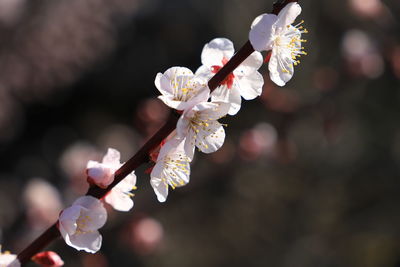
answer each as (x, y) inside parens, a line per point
(198, 127)
(200, 109)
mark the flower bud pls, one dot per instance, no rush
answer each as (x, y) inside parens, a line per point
(48, 259)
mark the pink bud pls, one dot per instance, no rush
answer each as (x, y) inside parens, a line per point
(48, 259)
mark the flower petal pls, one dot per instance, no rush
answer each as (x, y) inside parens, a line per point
(215, 51)
(204, 72)
(160, 185)
(68, 217)
(163, 84)
(260, 35)
(280, 68)
(249, 65)
(94, 210)
(100, 173)
(9, 260)
(128, 183)
(112, 157)
(287, 16)
(211, 110)
(119, 200)
(211, 139)
(251, 86)
(232, 96)
(87, 241)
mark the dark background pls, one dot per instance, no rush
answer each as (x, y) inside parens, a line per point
(308, 174)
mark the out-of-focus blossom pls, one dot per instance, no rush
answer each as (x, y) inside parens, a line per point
(146, 236)
(150, 114)
(10, 10)
(367, 8)
(48, 259)
(199, 127)
(102, 174)
(79, 223)
(8, 260)
(73, 162)
(257, 141)
(245, 81)
(180, 88)
(120, 196)
(362, 55)
(275, 32)
(43, 202)
(172, 168)
(119, 136)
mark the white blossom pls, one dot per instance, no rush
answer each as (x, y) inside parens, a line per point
(102, 174)
(245, 81)
(198, 126)
(120, 196)
(79, 223)
(8, 260)
(275, 32)
(180, 88)
(172, 168)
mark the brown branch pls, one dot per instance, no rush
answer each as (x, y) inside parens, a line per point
(142, 156)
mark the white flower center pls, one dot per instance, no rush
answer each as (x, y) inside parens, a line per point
(81, 223)
(288, 44)
(184, 88)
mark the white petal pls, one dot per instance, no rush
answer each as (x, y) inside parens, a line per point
(232, 96)
(211, 139)
(97, 217)
(177, 172)
(251, 86)
(260, 35)
(87, 202)
(68, 217)
(202, 96)
(221, 93)
(204, 72)
(190, 144)
(174, 72)
(180, 100)
(159, 185)
(280, 68)
(182, 127)
(287, 16)
(9, 260)
(99, 173)
(215, 51)
(250, 65)
(112, 157)
(212, 110)
(163, 84)
(119, 200)
(88, 241)
(174, 144)
(235, 100)
(94, 209)
(128, 183)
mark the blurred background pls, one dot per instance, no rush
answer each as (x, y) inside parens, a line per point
(308, 175)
